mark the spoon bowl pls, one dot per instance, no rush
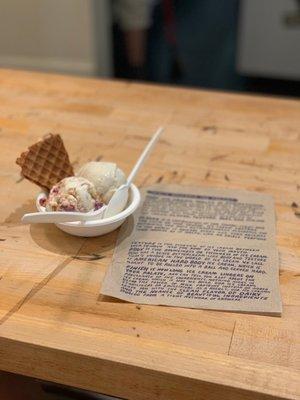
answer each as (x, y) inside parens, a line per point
(118, 202)
(120, 197)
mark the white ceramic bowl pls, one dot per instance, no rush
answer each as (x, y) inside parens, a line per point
(102, 226)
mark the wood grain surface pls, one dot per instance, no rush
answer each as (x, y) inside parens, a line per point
(54, 325)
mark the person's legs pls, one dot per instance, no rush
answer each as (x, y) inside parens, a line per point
(205, 49)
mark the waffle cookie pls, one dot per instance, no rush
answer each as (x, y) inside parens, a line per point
(46, 162)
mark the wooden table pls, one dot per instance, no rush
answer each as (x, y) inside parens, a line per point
(55, 325)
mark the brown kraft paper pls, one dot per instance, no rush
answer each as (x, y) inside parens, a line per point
(198, 248)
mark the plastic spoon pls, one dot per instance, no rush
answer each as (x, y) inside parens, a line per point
(119, 199)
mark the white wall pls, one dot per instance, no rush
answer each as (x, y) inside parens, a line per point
(269, 46)
(56, 35)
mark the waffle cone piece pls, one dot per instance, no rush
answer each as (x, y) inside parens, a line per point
(46, 162)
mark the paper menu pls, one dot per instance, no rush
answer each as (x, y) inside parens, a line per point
(198, 248)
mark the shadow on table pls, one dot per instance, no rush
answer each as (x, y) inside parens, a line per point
(124, 235)
(107, 299)
(49, 237)
(14, 218)
(52, 239)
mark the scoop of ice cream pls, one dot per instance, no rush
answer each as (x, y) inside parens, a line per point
(73, 194)
(106, 177)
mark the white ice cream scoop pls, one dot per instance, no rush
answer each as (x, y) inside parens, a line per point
(107, 177)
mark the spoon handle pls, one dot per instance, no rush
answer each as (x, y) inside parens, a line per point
(45, 217)
(144, 155)
(48, 217)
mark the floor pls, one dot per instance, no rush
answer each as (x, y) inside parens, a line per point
(17, 387)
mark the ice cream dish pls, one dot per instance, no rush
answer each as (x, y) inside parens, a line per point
(94, 201)
(46, 163)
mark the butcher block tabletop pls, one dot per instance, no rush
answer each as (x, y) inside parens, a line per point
(55, 325)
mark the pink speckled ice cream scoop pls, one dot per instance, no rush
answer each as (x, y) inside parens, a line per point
(73, 194)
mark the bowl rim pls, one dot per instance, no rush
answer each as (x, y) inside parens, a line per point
(135, 201)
